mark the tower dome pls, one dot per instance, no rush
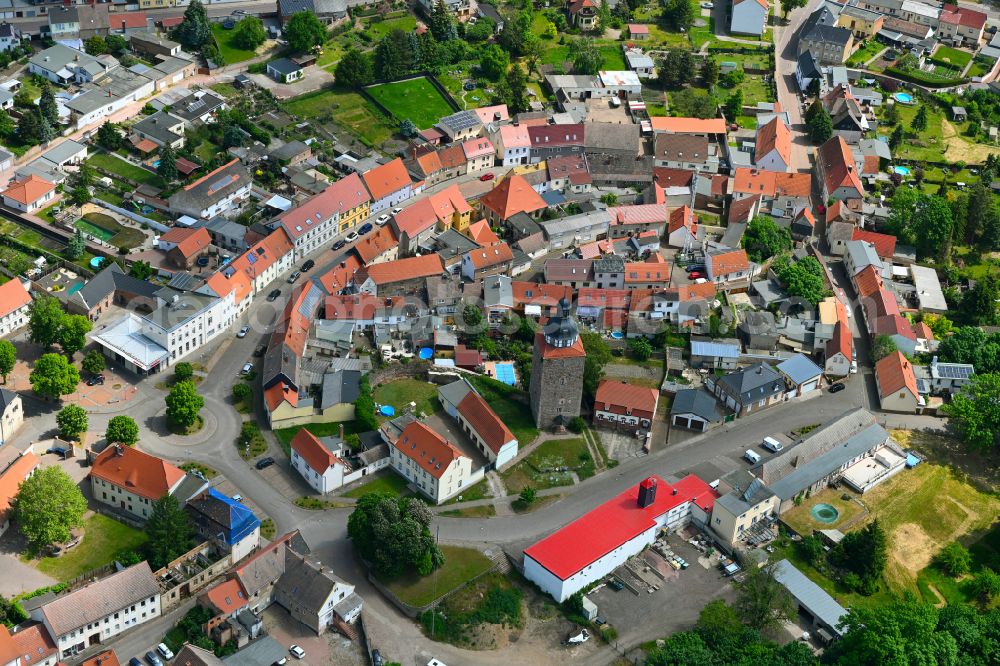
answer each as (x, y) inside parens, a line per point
(562, 330)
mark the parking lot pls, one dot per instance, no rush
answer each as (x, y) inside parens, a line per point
(674, 607)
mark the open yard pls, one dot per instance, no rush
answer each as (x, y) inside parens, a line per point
(110, 230)
(285, 435)
(460, 566)
(950, 57)
(515, 413)
(802, 521)
(104, 538)
(551, 464)
(230, 53)
(120, 167)
(416, 100)
(557, 54)
(379, 29)
(870, 49)
(385, 482)
(347, 109)
(401, 392)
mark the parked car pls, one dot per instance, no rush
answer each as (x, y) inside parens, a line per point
(383, 219)
(487, 176)
(339, 244)
(377, 658)
(616, 585)
(273, 295)
(134, 661)
(694, 267)
(237, 497)
(771, 444)
(153, 659)
(306, 267)
(837, 388)
(694, 275)
(293, 277)
(751, 457)
(297, 652)
(264, 463)
(351, 237)
(707, 5)
(365, 228)
(96, 380)
(164, 651)
(247, 369)
(854, 367)
(243, 332)
(397, 211)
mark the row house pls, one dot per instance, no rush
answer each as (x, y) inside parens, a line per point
(620, 404)
(548, 141)
(389, 185)
(431, 463)
(836, 172)
(511, 196)
(569, 174)
(400, 277)
(479, 154)
(316, 222)
(686, 151)
(484, 262)
(15, 302)
(781, 194)
(512, 144)
(682, 228)
(728, 265)
(442, 210)
(629, 221)
(773, 146)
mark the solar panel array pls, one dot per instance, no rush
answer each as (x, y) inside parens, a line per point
(954, 371)
(461, 120)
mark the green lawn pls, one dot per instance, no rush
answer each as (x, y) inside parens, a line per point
(865, 53)
(416, 100)
(125, 169)
(979, 68)
(514, 413)
(386, 482)
(460, 566)
(755, 90)
(950, 57)
(539, 470)
(285, 435)
(224, 89)
(478, 491)
(379, 29)
(348, 109)
(103, 539)
(927, 145)
(230, 53)
(558, 54)
(401, 392)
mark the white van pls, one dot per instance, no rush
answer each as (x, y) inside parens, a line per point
(771, 444)
(751, 457)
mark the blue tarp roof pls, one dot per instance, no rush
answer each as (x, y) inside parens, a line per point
(242, 520)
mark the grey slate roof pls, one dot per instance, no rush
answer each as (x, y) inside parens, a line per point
(289, 150)
(699, 402)
(810, 595)
(455, 392)
(863, 254)
(340, 387)
(156, 126)
(196, 105)
(756, 382)
(612, 136)
(208, 191)
(64, 152)
(111, 279)
(99, 599)
(284, 66)
(747, 492)
(800, 369)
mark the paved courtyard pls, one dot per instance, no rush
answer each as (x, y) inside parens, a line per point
(328, 648)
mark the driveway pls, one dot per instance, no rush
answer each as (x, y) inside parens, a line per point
(314, 78)
(18, 577)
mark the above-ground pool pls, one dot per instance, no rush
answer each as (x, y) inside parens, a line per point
(505, 373)
(426, 353)
(825, 513)
(901, 170)
(387, 410)
(903, 98)
(617, 335)
(96, 262)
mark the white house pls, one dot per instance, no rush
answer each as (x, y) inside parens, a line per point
(318, 461)
(478, 420)
(10, 36)
(14, 304)
(598, 542)
(98, 611)
(29, 194)
(431, 463)
(389, 185)
(513, 144)
(728, 265)
(773, 146)
(749, 17)
(284, 70)
(214, 193)
(131, 481)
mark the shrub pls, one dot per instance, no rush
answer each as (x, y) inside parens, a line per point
(183, 371)
(242, 392)
(955, 559)
(577, 424)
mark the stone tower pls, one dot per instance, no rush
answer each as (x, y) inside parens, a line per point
(557, 371)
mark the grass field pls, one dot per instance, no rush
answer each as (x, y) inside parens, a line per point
(230, 53)
(800, 519)
(927, 145)
(477, 491)
(460, 566)
(401, 392)
(416, 100)
(379, 29)
(387, 482)
(483, 511)
(515, 414)
(125, 169)
(538, 470)
(103, 539)
(871, 49)
(346, 108)
(109, 230)
(950, 57)
(557, 54)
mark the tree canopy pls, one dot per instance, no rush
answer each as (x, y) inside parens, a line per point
(971, 344)
(249, 33)
(598, 356)
(45, 316)
(975, 412)
(122, 430)
(72, 422)
(169, 530)
(882, 347)
(304, 31)
(354, 69)
(762, 603)
(393, 534)
(194, 31)
(54, 376)
(764, 239)
(8, 358)
(862, 554)
(803, 279)
(184, 404)
(47, 506)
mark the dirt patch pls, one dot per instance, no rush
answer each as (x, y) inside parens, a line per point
(959, 149)
(912, 547)
(940, 603)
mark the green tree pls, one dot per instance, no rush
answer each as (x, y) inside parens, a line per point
(167, 168)
(194, 31)
(242, 392)
(304, 31)
(472, 319)
(11, 612)
(640, 349)
(788, 5)
(932, 225)
(516, 37)
(517, 84)
(764, 239)
(109, 137)
(77, 243)
(985, 585)
(678, 14)
(676, 69)
(762, 603)
(122, 430)
(803, 279)
(441, 23)
(93, 362)
(407, 128)
(494, 61)
(900, 632)
(820, 127)
(72, 422)
(249, 33)
(609, 199)
(73, 333)
(80, 195)
(95, 46)
(8, 358)
(169, 530)
(393, 57)
(53, 376)
(955, 559)
(183, 371)
(354, 69)
(184, 404)
(393, 534)
(45, 131)
(140, 270)
(598, 356)
(29, 127)
(891, 114)
(919, 123)
(710, 71)
(47, 105)
(979, 304)
(7, 125)
(863, 553)
(47, 506)
(975, 412)
(883, 346)
(364, 407)
(587, 57)
(734, 104)
(116, 44)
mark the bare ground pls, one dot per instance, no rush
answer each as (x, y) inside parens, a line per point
(959, 149)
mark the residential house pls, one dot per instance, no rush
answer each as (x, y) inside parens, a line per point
(15, 301)
(621, 404)
(29, 194)
(897, 384)
(484, 10)
(399, 277)
(859, 255)
(512, 195)
(453, 162)
(682, 228)
(849, 120)
(15, 467)
(461, 126)
(183, 245)
(198, 108)
(863, 23)
(77, 22)
(569, 174)
(695, 409)
(131, 481)
(751, 389)
(640, 63)
(782, 195)
(214, 193)
(327, 11)
(802, 375)
(485, 262)
(318, 460)
(728, 265)
(10, 36)
(838, 235)
(758, 330)
(389, 185)
(720, 354)
(228, 524)
(100, 610)
(686, 151)
(821, 36)
(616, 140)
(430, 462)
(150, 45)
(63, 65)
(836, 172)
(773, 146)
(807, 71)
(961, 25)
(380, 245)
(803, 225)
(549, 141)
(513, 144)
(479, 422)
(583, 14)
(745, 503)
(949, 377)
(749, 17)
(317, 220)
(284, 70)
(479, 154)
(162, 128)
(626, 221)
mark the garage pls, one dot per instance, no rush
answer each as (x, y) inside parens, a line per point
(696, 409)
(690, 422)
(801, 373)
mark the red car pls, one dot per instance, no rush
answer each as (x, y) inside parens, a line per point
(694, 275)
(487, 176)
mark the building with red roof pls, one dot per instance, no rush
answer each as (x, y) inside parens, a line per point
(131, 480)
(728, 265)
(29, 194)
(682, 228)
(183, 245)
(961, 25)
(479, 154)
(621, 404)
(836, 171)
(318, 219)
(318, 460)
(536, 299)
(14, 304)
(512, 195)
(487, 261)
(595, 544)
(399, 277)
(431, 463)
(492, 437)
(638, 31)
(703, 126)
(885, 245)
(773, 148)
(381, 245)
(582, 13)
(389, 184)
(630, 220)
(13, 472)
(897, 384)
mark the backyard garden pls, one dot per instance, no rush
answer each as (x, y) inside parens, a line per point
(346, 108)
(415, 99)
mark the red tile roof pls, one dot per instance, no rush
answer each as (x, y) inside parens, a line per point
(512, 195)
(895, 324)
(429, 162)
(118, 21)
(590, 297)
(732, 261)
(641, 214)
(689, 125)
(667, 177)
(452, 156)
(740, 209)
(482, 233)
(375, 245)
(228, 597)
(317, 456)
(484, 421)
(600, 531)
(621, 398)
(9, 651)
(548, 351)
(429, 450)
(923, 331)
(541, 294)
(639, 272)
(189, 241)
(344, 195)
(405, 269)
(340, 275)
(137, 472)
(885, 245)
(682, 217)
(868, 281)
(554, 136)
(28, 190)
(837, 165)
(467, 358)
(490, 256)
(103, 658)
(11, 479)
(638, 29)
(963, 16)
(774, 135)
(894, 373)
(13, 297)
(385, 179)
(278, 393)
(841, 341)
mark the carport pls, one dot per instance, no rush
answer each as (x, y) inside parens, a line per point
(813, 603)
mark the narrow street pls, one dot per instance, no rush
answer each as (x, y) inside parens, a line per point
(785, 58)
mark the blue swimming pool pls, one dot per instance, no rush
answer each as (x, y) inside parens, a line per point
(96, 262)
(77, 286)
(903, 98)
(426, 353)
(617, 335)
(387, 410)
(505, 373)
(901, 170)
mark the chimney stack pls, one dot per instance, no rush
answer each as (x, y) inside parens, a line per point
(341, 432)
(647, 492)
